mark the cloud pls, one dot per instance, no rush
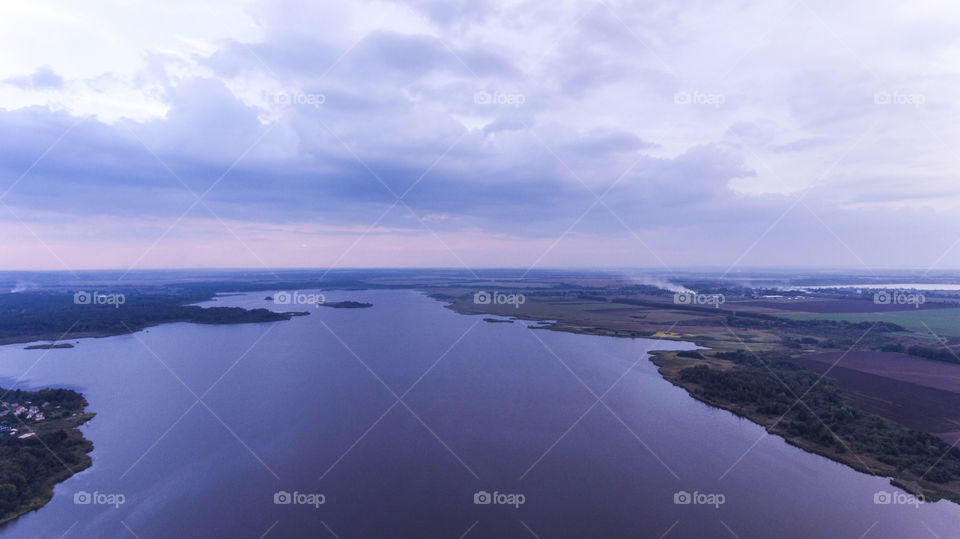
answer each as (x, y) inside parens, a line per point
(41, 79)
(500, 122)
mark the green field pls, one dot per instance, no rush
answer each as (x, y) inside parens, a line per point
(602, 306)
(940, 321)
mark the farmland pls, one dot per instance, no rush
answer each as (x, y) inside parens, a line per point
(944, 322)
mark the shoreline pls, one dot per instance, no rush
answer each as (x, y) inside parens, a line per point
(64, 320)
(79, 449)
(926, 489)
(71, 446)
(669, 366)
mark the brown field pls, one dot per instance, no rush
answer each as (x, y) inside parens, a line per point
(915, 370)
(917, 406)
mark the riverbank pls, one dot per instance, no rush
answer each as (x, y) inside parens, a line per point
(41, 445)
(741, 369)
(813, 424)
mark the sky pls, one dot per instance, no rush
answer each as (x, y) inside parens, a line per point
(478, 133)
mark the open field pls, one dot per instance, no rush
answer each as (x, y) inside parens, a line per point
(915, 406)
(839, 306)
(941, 321)
(903, 367)
(919, 393)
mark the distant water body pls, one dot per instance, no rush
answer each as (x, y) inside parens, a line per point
(307, 411)
(891, 286)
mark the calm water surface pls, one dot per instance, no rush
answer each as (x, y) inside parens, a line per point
(311, 406)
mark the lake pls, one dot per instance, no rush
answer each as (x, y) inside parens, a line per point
(398, 418)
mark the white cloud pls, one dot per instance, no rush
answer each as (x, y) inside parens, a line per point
(715, 116)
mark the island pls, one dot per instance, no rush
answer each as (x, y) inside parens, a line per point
(345, 304)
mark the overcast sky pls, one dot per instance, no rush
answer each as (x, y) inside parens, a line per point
(478, 133)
